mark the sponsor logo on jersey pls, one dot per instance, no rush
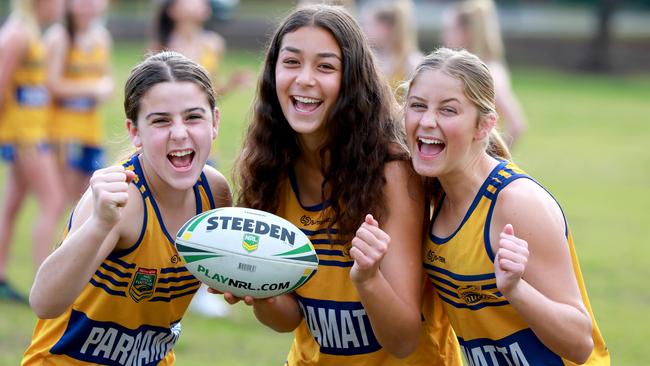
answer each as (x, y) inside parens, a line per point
(340, 328)
(309, 221)
(522, 348)
(108, 343)
(250, 242)
(472, 294)
(143, 284)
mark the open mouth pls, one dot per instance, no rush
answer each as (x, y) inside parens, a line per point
(181, 159)
(305, 104)
(430, 147)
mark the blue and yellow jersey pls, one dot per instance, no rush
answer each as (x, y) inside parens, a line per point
(78, 119)
(24, 113)
(210, 60)
(335, 329)
(129, 312)
(461, 268)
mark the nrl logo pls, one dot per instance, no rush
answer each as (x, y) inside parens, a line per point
(143, 284)
(250, 242)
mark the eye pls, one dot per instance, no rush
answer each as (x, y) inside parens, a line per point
(448, 111)
(327, 67)
(194, 116)
(418, 106)
(158, 121)
(290, 62)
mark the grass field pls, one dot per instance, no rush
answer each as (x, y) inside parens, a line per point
(587, 143)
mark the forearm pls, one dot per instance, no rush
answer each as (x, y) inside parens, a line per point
(396, 323)
(282, 315)
(63, 275)
(563, 328)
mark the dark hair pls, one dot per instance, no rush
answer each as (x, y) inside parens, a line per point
(159, 68)
(362, 131)
(164, 24)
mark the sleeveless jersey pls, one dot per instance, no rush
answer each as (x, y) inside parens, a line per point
(24, 113)
(461, 268)
(78, 119)
(335, 329)
(129, 312)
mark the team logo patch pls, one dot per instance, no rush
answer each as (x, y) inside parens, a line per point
(250, 242)
(143, 284)
(472, 294)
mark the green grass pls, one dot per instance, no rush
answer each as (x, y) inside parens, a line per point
(587, 143)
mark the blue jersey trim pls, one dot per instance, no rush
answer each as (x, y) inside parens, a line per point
(115, 271)
(166, 290)
(294, 186)
(477, 198)
(326, 241)
(110, 279)
(175, 296)
(107, 289)
(329, 263)
(121, 262)
(458, 277)
(321, 231)
(329, 252)
(176, 279)
(208, 191)
(173, 270)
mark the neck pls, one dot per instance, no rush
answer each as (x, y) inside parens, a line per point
(163, 193)
(463, 182)
(187, 31)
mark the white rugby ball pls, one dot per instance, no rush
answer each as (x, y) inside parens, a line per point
(246, 252)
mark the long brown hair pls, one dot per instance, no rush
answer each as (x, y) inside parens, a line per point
(362, 131)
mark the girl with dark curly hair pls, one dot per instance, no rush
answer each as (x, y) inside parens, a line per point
(325, 151)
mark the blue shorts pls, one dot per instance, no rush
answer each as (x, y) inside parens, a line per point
(8, 152)
(84, 158)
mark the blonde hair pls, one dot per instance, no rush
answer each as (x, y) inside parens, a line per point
(478, 87)
(479, 19)
(25, 12)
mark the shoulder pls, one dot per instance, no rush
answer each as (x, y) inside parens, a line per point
(402, 180)
(13, 35)
(214, 41)
(102, 37)
(219, 186)
(56, 33)
(525, 204)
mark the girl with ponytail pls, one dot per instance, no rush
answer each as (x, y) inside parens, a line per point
(498, 250)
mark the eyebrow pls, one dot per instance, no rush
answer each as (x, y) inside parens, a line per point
(320, 54)
(189, 110)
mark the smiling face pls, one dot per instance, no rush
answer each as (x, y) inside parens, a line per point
(441, 124)
(308, 79)
(175, 129)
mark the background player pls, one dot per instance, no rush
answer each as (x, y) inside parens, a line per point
(79, 78)
(23, 132)
(474, 25)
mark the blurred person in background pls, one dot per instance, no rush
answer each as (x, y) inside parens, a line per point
(474, 25)
(180, 27)
(79, 78)
(23, 132)
(392, 33)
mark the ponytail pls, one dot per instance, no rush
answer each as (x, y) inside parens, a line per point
(497, 148)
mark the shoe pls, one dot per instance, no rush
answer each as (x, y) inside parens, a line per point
(9, 293)
(209, 305)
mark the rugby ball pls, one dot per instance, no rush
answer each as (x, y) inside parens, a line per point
(246, 252)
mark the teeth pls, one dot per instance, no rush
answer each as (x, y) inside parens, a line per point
(306, 100)
(430, 141)
(180, 153)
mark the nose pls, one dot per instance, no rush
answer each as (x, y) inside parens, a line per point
(428, 119)
(305, 77)
(178, 130)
